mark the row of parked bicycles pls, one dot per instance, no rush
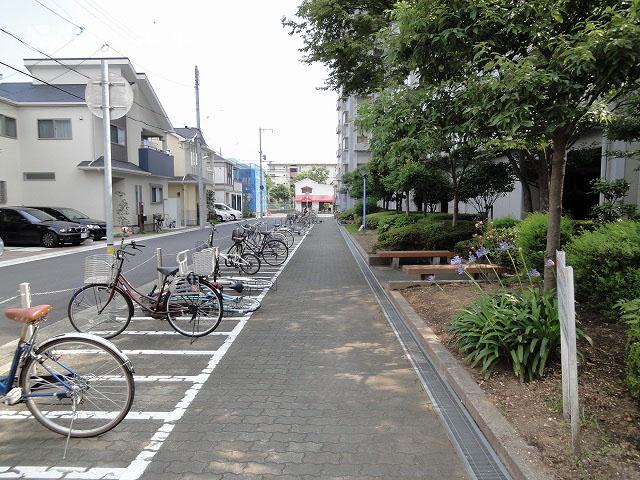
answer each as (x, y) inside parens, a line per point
(80, 384)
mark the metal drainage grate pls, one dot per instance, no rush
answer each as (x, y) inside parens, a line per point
(479, 458)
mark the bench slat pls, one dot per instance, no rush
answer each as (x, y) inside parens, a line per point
(415, 253)
(435, 269)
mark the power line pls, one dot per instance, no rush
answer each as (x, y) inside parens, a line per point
(73, 94)
(62, 17)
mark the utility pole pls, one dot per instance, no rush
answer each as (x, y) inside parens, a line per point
(201, 206)
(260, 130)
(106, 131)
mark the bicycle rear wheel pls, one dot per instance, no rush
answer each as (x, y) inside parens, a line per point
(91, 310)
(78, 384)
(194, 313)
(235, 249)
(275, 252)
(249, 264)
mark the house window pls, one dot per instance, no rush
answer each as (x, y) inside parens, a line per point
(3, 191)
(156, 193)
(39, 176)
(307, 189)
(117, 135)
(8, 127)
(58, 129)
(345, 143)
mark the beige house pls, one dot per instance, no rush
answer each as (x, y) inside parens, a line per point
(51, 145)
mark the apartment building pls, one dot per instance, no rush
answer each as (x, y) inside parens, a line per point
(282, 173)
(353, 144)
(51, 145)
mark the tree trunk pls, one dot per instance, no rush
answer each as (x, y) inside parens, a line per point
(558, 165)
(542, 166)
(454, 220)
(408, 203)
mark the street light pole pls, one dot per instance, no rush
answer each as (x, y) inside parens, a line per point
(260, 130)
(364, 201)
(201, 206)
(106, 130)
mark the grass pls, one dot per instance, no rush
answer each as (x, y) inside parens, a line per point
(352, 228)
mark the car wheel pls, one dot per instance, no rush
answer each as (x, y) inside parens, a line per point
(233, 218)
(220, 219)
(49, 239)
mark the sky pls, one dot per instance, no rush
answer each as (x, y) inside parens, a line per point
(250, 70)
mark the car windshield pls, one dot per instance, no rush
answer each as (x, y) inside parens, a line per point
(35, 216)
(73, 214)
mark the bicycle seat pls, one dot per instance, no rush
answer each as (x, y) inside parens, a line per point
(27, 314)
(168, 271)
(277, 225)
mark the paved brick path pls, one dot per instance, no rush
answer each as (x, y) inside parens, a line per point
(316, 386)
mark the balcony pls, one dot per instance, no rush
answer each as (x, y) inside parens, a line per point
(155, 161)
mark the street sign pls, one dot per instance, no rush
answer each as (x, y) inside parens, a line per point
(120, 96)
(568, 351)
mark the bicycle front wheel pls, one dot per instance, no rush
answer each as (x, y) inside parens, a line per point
(77, 384)
(194, 313)
(235, 249)
(275, 252)
(249, 264)
(92, 309)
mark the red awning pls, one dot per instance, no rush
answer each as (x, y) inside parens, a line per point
(314, 198)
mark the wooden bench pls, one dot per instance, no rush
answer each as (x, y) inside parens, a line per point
(396, 255)
(474, 269)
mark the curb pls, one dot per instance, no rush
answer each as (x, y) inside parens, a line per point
(521, 460)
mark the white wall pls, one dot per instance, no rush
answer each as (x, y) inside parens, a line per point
(10, 158)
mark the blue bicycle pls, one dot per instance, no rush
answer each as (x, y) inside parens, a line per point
(77, 385)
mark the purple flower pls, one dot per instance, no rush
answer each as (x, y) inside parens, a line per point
(457, 260)
(504, 246)
(549, 263)
(460, 269)
(481, 252)
(533, 273)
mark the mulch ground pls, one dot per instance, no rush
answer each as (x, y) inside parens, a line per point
(367, 239)
(610, 428)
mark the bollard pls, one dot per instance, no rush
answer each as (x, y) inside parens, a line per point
(159, 264)
(25, 302)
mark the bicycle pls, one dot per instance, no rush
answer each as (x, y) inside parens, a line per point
(273, 251)
(105, 306)
(76, 385)
(158, 222)
(247, 262)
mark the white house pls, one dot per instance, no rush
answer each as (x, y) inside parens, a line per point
(318, 197)
(51, 145)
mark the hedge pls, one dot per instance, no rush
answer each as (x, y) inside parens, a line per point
(531, 236)
(425, 236)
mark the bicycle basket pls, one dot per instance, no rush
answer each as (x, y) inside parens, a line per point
(204, 261)
(99, 268)
(238, 235)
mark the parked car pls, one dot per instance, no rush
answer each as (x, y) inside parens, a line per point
(23, 225)
(222, 215)
(97, 228)
(1, 247)
(235, 214)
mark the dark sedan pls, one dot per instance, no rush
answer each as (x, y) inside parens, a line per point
(23, 225)
(97, 228)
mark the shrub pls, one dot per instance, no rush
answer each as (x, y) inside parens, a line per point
(519, 328)
(372, 206)
(531, 236)
(425, 236)
(630, 313)
(345, 216)
(503, 223)
(374, 220)
(606, 264)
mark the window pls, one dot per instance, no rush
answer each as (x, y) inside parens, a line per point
(3, 191)
(156, 193)
(8, 127)
(307, 189)
(38, 176)
(117, 135)
(58, 129)
(345, 143)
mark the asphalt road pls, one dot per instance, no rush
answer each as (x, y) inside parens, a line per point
(66, 272)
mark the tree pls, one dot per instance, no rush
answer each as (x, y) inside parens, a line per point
(486, 182)
(317, 174)
(547, 65)
(280, 193)
(342, 35)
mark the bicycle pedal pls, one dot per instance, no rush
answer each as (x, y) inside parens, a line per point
(14, 396)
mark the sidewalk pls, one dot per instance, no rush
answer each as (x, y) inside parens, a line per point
(316, 386)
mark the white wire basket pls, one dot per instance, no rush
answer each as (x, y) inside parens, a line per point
(204, 261)
(99, 268)
(182, 259)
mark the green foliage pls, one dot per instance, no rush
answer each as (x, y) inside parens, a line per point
(372, 206)
(279, 193)
(531, 237)
(520, 328)
(606, 264)
(374, 220)
(613, 208)
(317, 174)
(428, 235)
(630, 313)
(503, 223)
(345, 216)
(485, 183)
